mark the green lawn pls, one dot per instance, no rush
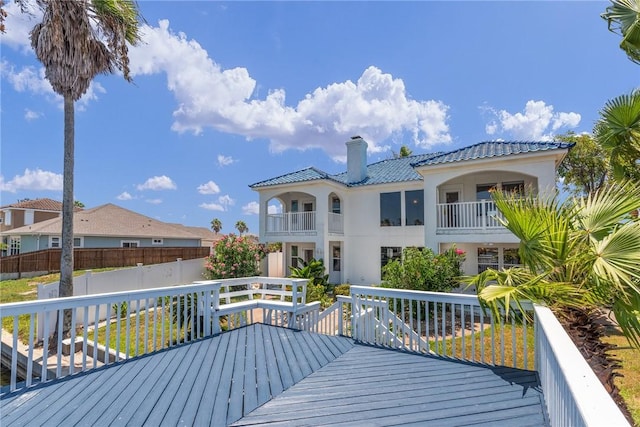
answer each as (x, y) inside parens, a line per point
(629, 382)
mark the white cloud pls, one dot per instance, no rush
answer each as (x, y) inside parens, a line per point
(124, 196)
(19, 25)
(251, 208)
(222, 205)
(212, 206)
(31, 79)
(154, 201)
(274, 209)
(30, 115)
(157, 183)
(537, 122)
(225, 160)
(33, 180)
(209, 188)
(376, 106)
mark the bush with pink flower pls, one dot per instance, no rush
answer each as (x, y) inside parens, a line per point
(235, 256)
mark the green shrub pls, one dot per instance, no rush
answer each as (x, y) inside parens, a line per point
(344, 289)
(235, 256)
(422, 270)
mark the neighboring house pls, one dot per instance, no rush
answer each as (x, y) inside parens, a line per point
(208, 237)
(23, 213)
(359, 220)
(106, 226)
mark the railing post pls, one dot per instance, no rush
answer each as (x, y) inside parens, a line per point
(484, 214)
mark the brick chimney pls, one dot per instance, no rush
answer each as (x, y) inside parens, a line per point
(356, 159)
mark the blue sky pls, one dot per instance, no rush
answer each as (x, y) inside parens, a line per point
(226, 94)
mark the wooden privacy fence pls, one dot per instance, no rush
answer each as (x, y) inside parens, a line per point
(48, 260)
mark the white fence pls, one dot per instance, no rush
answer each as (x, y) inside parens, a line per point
(174, 273)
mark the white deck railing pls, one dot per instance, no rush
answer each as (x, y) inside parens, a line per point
(456, 326)
(574, 396)
(145, 321)
(481, 215)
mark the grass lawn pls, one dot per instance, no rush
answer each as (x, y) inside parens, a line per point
(629, 383)
(19, 290)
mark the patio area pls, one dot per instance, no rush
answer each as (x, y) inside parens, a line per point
(268, 375)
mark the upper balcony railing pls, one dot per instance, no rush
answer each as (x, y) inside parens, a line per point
(480, 215)
(291, 223)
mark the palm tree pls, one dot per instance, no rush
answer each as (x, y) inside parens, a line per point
(241, 227)
(578, 255)
(618, 132)
(76, 41)
(216, 225)
(623, 18)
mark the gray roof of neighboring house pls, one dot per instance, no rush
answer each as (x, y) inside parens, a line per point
(402, 169)
(37, 204)
(109, 220)
(489, 149)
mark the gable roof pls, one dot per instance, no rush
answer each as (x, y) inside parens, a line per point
(488, 149)
(402, 169)
(37, 204)
(109, 220)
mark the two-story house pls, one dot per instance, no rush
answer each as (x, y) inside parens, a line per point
(23, 213)
(359, 220)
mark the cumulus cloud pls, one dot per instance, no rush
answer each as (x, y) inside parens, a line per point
(225, 160)
(209, 188)
(19, 25)
(124, 196)
(158, 183)
(221, 205)
(537, 122)
(30, 115)
(375, 106)
(274, 209)
(31, 79)
(32, 180)
(251, 208)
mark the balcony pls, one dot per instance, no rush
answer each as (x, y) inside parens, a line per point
(301, 223)
(468, 216)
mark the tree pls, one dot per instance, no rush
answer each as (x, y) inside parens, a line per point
(235, 256)
(623, 18)
(75, 41)
(578, 255)
(585, 167)
(241, 227)
(78, 204)
(618, 132)
(216, 225)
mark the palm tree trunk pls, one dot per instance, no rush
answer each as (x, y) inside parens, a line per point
(66, 258)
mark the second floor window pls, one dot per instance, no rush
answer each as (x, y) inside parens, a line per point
(414, 207)
(390, 209)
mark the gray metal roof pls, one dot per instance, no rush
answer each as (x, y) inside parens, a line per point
(487, 149)
(403, 169)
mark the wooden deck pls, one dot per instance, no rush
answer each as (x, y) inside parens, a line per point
(261, 375)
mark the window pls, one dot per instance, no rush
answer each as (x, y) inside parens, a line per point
(390, 209)
(483, 191)
(14, 246)
(56, 242)
(514, 187)
(294, 206)
(28, 217)
(294, 256)
(487, 258)
(510, 258)
(335, 252)
(388, 254)
(157, 241)
(414, 207)
(335, 205)
(129, 243)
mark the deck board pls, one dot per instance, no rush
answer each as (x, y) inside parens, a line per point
(259, 375)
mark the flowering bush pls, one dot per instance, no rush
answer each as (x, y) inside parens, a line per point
(235, 256)
(422, 270)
